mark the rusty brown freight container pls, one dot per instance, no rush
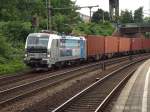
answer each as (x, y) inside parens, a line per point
(146, 43)
(95, 45)
(136, 44)
(124, 44)
(111, 44)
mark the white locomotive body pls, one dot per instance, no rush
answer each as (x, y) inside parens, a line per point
(45, 50)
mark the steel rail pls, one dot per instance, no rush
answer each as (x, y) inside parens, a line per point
(117, 88)
(22, 95)
(10, 90)
(78, 95)
(55, 74)
(4, 80)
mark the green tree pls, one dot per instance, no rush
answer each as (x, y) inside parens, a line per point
(16, 31)
(138, 15)
(63, 20)
(100, 15)
(126, 17)
(5, 47)
(25, 10)
(21, 9)
(147, 20)
(106, 16)
(94, 28)
(8, 10)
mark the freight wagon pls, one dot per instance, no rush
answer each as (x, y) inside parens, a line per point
(111, 46)
(100, 46)
(47, 50)
(95, 47)
(124, 45)
(136, 45)
(146, 45)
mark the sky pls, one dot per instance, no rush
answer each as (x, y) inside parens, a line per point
(124, 4)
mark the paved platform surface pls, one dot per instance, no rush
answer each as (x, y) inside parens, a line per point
(135, 96)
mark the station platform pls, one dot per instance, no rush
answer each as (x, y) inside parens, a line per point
(135, 97)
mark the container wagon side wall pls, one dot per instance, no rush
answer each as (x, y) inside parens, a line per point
(95, 46)
(146, 45)
(124, 45)
(136, 45)
(111, 45)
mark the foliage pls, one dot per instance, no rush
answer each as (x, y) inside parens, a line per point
(126, 17)
(100, 15)
(12, 67)
(94, 29)
(147, 20)
(138, 15)
(62, 23)
(5, 48)
(68, 4)
(11, 10)
(25, 10)
(16, 31)
(63, 20)
(10, 57)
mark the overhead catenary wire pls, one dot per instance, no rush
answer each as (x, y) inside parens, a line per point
(78, 8)
(50, 8)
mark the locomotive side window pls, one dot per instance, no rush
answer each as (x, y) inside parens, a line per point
(69, 47)
(62, 43)
(57, 43)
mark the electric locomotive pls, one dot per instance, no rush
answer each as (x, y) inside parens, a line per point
(46, 50)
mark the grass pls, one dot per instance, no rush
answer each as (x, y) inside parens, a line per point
(12, 66)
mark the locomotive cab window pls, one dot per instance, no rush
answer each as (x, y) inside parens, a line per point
(38, 41)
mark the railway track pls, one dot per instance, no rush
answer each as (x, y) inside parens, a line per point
(12, 94)
(9, 81)
(16, 80)
(12, 81)
(95, 97)
(17, 92)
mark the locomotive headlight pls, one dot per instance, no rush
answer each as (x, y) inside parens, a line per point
(48, 56)
(26, 55)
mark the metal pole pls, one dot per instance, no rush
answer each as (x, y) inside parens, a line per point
(149, 7)
(103, 16)
(90, 13)
(47, 14)
(48, 6)
(103, 66)
(50, 16)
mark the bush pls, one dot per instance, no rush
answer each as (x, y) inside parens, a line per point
(94, 29)
(15, 30)
(12, 67)
(5, 47)
(11, 59)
